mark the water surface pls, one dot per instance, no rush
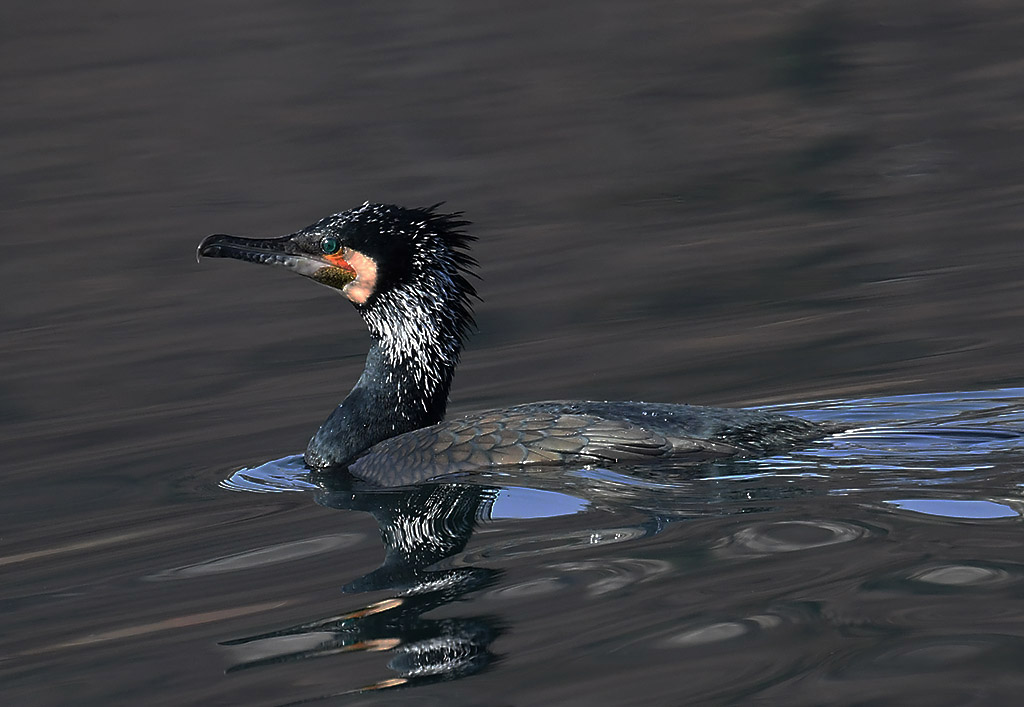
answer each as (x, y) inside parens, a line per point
(744, 203)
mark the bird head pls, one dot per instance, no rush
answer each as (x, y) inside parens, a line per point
(365, 252)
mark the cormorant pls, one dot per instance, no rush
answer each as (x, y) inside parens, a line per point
(405, 270)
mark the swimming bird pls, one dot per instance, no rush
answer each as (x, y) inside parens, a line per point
(406, 272)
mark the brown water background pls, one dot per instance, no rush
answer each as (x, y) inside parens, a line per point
(730, 203)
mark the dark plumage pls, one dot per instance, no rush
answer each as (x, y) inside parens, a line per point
(406, 272)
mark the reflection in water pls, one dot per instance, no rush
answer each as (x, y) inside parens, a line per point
(420, 527)
(956, 508)
(917, 471)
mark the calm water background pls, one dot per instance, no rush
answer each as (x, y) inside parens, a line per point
(739, 203)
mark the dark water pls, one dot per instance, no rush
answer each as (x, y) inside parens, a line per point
(741, 203)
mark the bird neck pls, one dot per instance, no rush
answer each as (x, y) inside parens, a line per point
(404, 385)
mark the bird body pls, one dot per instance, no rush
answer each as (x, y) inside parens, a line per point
(405, 271)
(579, 432)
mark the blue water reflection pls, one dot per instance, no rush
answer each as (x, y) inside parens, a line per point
(956, 508)
(525, 503)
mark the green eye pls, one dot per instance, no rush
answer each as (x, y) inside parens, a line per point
(329, 245)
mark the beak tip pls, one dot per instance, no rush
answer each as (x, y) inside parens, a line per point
(207, 247)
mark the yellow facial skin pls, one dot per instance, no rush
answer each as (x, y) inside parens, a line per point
(338, 274)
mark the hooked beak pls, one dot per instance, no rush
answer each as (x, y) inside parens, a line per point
(280, 252)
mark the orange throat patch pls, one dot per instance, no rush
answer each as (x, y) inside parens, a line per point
(364, 270)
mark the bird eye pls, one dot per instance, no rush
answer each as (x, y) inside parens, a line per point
(330, 245)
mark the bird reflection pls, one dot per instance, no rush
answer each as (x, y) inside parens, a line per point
(424, 526)
(421, 527)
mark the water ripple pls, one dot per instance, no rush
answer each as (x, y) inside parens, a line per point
(935, 654)
(960, 575)
(790, 536)
(536, 545)
(269, 555)
(287, 474)
(611, 575)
